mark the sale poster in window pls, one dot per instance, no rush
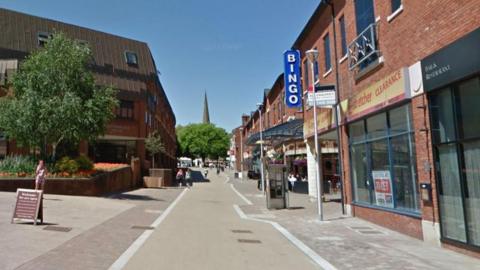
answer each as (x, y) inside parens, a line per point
(383, 188)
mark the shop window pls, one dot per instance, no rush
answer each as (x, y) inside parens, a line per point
(472, 200)
(403, 163)
(359, 173)
(125, 109)
(383, 160)
(357, 131)
(441, 108)
(451, 210)
(131, 58)
(469, 113)
(400, 119)
(454, 112)
(377, 126)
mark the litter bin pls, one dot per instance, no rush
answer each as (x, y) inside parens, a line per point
(235, 175)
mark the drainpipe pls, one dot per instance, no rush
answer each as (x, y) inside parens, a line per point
(337, 102)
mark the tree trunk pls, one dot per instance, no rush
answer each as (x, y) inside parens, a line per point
(153, 161)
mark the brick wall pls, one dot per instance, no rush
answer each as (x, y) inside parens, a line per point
(422, 28)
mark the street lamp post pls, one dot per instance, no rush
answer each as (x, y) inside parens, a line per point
(312, 56)
(261, 148)
(241, 152)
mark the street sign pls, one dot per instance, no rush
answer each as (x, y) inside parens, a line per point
(29, 205)
(325, 96)
(293, 93)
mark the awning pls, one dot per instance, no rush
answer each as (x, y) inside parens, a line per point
(290, 130)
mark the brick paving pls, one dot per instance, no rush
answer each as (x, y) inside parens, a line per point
(348, 242)
(96, 239)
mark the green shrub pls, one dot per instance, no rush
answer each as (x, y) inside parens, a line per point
(84, 163)
(67, 164)
(18, 164)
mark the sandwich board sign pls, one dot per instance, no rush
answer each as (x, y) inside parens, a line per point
(29, 205)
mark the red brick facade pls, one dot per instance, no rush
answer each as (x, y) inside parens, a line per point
(418, 30)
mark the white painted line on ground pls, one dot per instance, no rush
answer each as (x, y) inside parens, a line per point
(240, 195)
(228, 179)
(299, 244)
(135, 246)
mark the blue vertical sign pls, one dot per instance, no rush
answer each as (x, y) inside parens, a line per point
(293, 93)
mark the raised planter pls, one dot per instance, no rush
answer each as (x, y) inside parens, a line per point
(158, 178)
(114, 181)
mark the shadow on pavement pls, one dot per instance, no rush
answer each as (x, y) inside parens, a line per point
(133, 197)
(198, 177)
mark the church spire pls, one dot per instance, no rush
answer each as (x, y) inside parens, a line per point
(206, 115)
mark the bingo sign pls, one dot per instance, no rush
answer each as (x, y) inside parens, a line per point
(293, 95)
(383, 188)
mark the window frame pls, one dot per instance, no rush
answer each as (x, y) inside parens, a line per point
(367, 140)
(327, 53)
(127, 60)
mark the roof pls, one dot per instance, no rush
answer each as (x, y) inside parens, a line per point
(287, 131)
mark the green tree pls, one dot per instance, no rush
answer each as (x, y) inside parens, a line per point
(154, 145)
(54, 98)
(203, 140)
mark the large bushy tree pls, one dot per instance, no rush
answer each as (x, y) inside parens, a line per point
(203, 140)
(54, 98)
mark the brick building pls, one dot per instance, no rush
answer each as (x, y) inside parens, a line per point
(123, 63)
(407, 77)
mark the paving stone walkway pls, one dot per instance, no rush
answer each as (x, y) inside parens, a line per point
(348, 242)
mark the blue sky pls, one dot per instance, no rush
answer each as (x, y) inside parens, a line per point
(232, 49)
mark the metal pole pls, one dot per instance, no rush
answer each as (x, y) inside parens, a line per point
(261, 152)
(317, 152)
(241, 152)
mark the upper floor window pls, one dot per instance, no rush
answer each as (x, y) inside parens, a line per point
(125, 109)
(306, 82)
(343, 35)
(326, 47)
(396, 5)
(42, 38)
(364, 14)
(131, 58)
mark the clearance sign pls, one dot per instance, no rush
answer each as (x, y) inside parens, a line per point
(293, 93)
(385, 92)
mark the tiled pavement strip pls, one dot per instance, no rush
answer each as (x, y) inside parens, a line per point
(101, 229)
(350, 243)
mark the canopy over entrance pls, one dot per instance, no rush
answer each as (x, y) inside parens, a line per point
(291, 130)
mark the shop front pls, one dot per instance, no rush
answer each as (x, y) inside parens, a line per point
(451, 79)
(382, 158)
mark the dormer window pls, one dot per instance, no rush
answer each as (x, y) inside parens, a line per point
(131, 58)
(42, 38)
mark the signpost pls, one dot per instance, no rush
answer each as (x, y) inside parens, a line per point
(324, 94)
(293, 92)
(29, 205)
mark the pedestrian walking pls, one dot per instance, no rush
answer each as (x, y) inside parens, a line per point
(292, 179)
(40, 174)
(188, 178)
(205, 173)
(179, 177)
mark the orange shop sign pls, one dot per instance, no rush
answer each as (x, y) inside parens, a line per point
(389, 90)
